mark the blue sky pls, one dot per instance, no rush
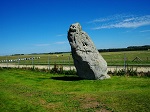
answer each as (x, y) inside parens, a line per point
(38, 26)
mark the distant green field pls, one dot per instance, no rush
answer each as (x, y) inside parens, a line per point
(30, 91)
(117, 58)
(112, 58)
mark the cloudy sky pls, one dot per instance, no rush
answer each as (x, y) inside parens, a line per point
(38, 26)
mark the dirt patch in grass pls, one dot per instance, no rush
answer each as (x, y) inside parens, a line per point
(47, 105)
(90, 102)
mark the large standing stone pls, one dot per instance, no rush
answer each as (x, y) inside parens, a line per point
(87, 60)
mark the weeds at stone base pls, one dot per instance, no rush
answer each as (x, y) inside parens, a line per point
(58, 69)
(129, 72)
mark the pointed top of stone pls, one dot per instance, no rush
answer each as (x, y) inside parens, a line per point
(75, 27)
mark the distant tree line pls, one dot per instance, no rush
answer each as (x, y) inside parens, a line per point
(58, 52)
(17, 54)
(130, 48)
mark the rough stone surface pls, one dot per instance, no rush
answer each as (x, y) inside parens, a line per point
(88, 62)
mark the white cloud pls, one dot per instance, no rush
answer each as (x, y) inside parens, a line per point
(129, 19)
(60, 35)
(100, 20)
(116, 17)
(62, 42)
(122, 21)
(145, 31)
(41, 45)
(58, 43)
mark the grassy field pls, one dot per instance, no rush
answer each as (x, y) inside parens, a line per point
(117, 58)
(112, 58)
(25, 91)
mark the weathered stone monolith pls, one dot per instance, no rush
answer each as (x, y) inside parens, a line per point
(87, 60)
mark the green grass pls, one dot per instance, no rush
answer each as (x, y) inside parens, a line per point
(25, 90)
(112, 58)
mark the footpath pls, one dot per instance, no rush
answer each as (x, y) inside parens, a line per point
(65, 67)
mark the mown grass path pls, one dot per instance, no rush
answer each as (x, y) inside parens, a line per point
(27, 91)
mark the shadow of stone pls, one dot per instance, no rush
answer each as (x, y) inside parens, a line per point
(67, 78)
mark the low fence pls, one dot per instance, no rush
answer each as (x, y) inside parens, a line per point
(48, 62)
